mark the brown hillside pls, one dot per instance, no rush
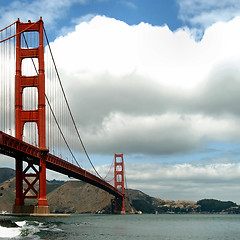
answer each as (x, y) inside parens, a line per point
(78, 197)
(7, 195)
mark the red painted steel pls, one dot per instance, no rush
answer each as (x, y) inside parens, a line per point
(38, 81)
(37, 116)
(13, 147)
(119, 182)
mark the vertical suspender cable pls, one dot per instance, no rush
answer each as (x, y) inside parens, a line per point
(54, 114)
(70, 112)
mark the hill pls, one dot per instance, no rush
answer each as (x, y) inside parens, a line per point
(147, 204)
(77, 197)
(6, 173)
(7, 194)
(213, 206)
(81, 197)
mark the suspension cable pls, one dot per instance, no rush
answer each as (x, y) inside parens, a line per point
(125, 178)
(109, 181)
(18, 32)
(70, 112)
(54, 116)
(8, 26)
(109, 170)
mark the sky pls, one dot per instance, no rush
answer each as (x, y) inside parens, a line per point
(156, 80)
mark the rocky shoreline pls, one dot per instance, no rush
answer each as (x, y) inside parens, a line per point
(8, 223)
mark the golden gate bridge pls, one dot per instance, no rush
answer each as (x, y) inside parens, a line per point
(37, 126)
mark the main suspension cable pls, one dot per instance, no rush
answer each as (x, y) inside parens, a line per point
(18, 32)
(8, 26)
(109, 171)
(70, 112)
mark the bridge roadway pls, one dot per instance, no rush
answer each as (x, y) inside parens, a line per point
(14, 147)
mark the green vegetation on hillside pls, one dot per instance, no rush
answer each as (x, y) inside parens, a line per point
(213, 205)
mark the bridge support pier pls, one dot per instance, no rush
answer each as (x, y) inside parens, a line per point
(19, 201)
(38, 176)
(119, 206)
(42, 198)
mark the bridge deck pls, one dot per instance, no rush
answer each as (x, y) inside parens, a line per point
(14, 147)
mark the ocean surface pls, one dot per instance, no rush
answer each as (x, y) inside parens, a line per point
(127, 227)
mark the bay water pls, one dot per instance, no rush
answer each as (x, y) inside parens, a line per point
(126, 227)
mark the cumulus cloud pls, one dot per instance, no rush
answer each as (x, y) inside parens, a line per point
(75, 21)
(150, 90)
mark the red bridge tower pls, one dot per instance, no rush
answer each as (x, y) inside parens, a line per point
(119, 182)
(37, 116)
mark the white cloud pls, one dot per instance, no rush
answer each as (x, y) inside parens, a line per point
(161, 135)
(106, 45)
(204, 13)
(186, 181)
(147, 89)
(86, 18)
(76, 21)
(7, 161)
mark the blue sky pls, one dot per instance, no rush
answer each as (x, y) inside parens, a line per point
(131, 12)
(66, 13)
(157, 80)
(134, 12)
